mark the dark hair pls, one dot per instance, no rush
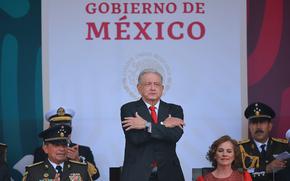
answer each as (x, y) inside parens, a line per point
(237, 163)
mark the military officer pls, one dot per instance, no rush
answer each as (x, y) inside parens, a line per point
(56, 166)
(81, 153)
(258, 153)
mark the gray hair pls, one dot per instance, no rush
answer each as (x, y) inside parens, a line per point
(149, 70)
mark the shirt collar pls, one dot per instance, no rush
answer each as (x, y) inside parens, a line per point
(258, 144)
(54, 164)
(156, 105)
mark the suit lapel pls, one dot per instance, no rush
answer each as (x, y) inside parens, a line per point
(145, 114)
(162, 111)
(66, 170)
(143, 111)
(269, 149)
(254, 148)
(49, 169)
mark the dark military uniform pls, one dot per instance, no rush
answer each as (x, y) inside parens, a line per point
(256, 164)
(72, 170)
(56, 137)
(256, 161)
(84, 151)
(63, 116)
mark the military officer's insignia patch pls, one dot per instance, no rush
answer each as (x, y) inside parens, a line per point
(60, 111)
(253, 146)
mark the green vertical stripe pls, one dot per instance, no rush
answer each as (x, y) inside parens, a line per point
(38, 91)
(9, 99)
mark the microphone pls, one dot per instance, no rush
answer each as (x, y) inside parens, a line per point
(287, 135)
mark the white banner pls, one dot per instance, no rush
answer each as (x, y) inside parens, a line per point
(94, 50)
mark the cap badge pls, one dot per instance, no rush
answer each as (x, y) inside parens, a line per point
(62, 131)
(257, 110)
(60, 111)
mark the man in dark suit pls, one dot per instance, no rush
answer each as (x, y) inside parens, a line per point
(76, 152)
(258, 153)
(56, 166)
(152, 128)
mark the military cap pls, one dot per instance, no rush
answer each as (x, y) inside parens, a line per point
(3, 152)
(57, 134)
(59, 116)
(259, 111)
(2, 145)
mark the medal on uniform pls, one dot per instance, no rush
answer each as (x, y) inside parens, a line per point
(75, 177)
(45, 175)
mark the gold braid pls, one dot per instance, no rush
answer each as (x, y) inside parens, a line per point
(255, 159)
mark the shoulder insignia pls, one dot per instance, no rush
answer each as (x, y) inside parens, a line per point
(92, 169)
(77, 162)
(280, 140)
(244, 141)
(25, 173)
(38, 163)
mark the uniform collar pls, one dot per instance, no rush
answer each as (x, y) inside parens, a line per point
(258, 144)
(54, 164)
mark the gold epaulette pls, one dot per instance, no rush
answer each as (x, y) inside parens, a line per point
(34, 164)
(244, 141)
(255, 159)
(91, 169)
(77, 162)
(280, 140)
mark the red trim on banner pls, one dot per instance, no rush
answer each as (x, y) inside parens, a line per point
(263, 57)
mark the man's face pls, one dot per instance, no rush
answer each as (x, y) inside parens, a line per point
(150, 88)
(260, 130)
(56, 152)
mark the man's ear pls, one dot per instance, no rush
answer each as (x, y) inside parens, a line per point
(270, 126)
(45, 149)
(139, 88)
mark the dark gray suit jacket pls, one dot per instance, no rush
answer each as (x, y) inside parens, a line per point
(143, 147)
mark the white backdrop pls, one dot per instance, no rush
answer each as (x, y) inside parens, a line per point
(206, 76)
